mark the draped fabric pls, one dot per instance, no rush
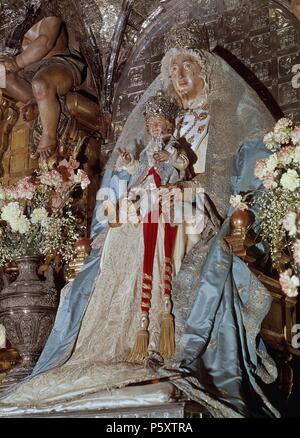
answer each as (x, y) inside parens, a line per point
(219, 341)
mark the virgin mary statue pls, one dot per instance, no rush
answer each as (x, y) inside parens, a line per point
(218, 304)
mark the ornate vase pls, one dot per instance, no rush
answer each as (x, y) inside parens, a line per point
(27, 310)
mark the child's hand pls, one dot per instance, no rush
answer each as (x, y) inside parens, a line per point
(126, 156)
(161, 156)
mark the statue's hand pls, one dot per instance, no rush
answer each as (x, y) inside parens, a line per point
(161, 156)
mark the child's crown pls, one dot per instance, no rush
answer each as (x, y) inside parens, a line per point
(161, 105)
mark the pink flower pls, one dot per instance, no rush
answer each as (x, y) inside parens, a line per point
(297, 252)
(269, 181)
(285, 155)
(65, 187)
(57, 202)
(260, 169)
(51, 178)
(23, 189)
(11, 193)
(289, 283)
(26, 188)
(242, 206)
(81, 178)
(71, 164)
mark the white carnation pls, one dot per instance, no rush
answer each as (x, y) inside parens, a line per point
(260, 169)
(297, 252)
(272, 163)
(290, 180)
(14, 224)
(235, 200)
(23, 225)
(11, 211)
(45, 222)
(284, 122)
(296, 156)
(270, 142)
(268, 138)
(13, 215)
(289, 283)
(295, 283)
(39, 216)
(2, 194)
(289, 223)
(295, 136)
(283, 136)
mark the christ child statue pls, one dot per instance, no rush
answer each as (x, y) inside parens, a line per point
(161, 163)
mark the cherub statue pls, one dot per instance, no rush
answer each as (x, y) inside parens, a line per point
(44, 70)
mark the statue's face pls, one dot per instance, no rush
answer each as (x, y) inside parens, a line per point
(186, 72)
(159, 126)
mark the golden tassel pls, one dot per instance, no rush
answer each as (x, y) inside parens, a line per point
(139, 351)
(167, 336)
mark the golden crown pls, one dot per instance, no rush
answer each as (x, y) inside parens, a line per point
(161, 105)
(190, 35)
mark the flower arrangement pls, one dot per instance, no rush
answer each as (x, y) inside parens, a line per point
(36, 215)
(279, 205)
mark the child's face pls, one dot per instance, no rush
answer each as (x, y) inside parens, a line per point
(159, 126)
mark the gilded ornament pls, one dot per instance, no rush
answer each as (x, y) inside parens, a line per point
(161, 105)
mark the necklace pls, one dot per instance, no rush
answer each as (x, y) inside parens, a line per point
(197, 117)
(198, 102)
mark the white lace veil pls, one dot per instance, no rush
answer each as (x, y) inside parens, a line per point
(237, 116)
